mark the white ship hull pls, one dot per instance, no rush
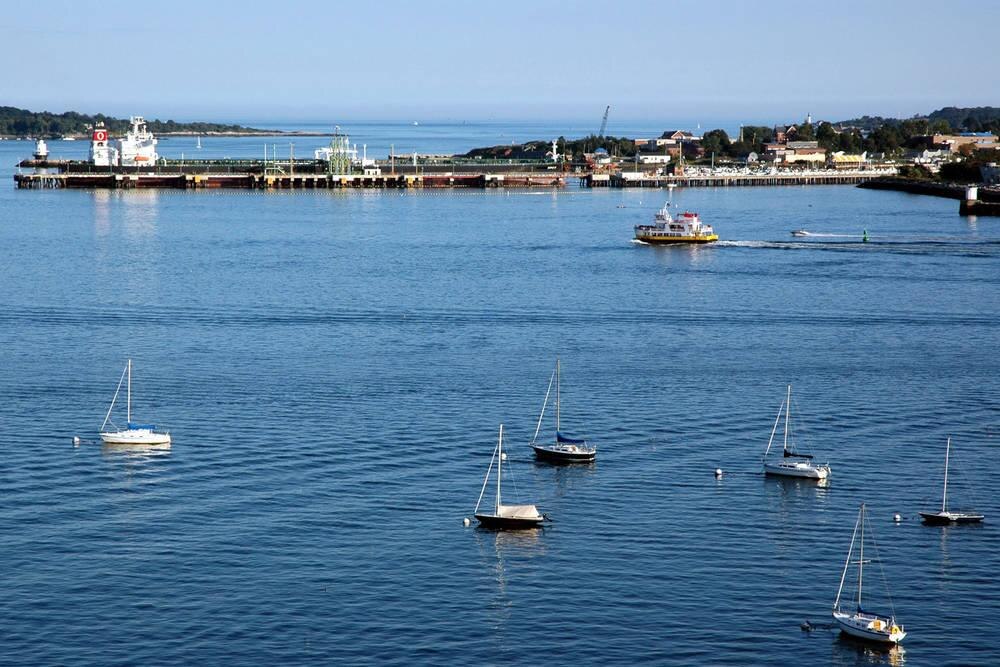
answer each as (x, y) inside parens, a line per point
(805, 470)
(135, 436)
(869, 628)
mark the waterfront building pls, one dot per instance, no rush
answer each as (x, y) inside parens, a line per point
(842, 160)
(952, 142)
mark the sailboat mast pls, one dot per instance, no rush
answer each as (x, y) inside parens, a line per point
(788, 406)
(499, 468)
(944, 495)
(128, 409)
(557, 395)
(861, 554)
(847, 563)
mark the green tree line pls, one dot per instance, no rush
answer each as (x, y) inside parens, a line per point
(16, 122)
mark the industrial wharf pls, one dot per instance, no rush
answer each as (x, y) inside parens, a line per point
(314, 175)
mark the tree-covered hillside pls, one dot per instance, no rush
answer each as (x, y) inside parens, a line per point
(16, 122)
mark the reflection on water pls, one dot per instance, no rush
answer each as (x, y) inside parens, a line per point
(141, 211)
(135, 451)
(682, 255)
(495, 549)
(798, 487)
(848, 650)
(566, 477)
(102, 211)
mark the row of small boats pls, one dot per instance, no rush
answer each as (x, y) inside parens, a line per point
(849, 613)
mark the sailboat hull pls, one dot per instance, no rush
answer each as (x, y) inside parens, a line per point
(803, 470)
(948, 518)
(135, 437)
(869, 628)
(493, 522)
(565, 453)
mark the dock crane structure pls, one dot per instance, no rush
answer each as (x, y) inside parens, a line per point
(604, 121)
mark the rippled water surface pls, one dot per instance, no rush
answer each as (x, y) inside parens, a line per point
(333, 368)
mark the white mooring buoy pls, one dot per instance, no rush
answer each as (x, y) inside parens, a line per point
(503, 456)
(718, 473)
(466, 522)
(896, 517)
(76, 441)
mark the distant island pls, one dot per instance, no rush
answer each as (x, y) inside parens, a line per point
(16, 122)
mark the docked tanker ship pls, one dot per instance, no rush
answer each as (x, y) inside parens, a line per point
(666, 229)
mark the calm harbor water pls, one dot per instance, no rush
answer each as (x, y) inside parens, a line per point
(333, 368)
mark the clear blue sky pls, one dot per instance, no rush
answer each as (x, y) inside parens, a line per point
(305, 60)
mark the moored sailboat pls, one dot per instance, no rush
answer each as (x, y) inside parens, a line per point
(792, 462)
(133, 433)
(946, 516)
(505, 517)
(564, 449)
(859, 622)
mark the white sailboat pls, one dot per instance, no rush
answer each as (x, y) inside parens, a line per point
(564, 449)
(791, 463)
(505, 517)
(132, 434)
(859, 622)
(945, 516)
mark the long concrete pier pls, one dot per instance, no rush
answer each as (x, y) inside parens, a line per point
(831, 177)
(253, 181)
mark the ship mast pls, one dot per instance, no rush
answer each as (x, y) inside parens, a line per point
(944, 495)
(128, 409)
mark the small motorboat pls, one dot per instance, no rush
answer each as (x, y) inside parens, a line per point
(505, 517)
(946, 516)
(800, 232)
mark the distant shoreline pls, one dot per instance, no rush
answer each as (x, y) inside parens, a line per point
(187, 133)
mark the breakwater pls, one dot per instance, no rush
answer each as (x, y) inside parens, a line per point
(986, 203)
(724, 179)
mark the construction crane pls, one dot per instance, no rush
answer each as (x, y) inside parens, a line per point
(604, 122)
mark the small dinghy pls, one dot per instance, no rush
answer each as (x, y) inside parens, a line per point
(564, 449)
(505, 517)
(946, 516)
(133, 433)
(791, 463)
(857, 621)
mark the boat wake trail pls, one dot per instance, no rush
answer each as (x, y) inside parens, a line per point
(638, 242)
(939, 246)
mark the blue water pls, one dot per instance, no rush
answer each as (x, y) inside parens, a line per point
(333, 368)
(380, 138)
